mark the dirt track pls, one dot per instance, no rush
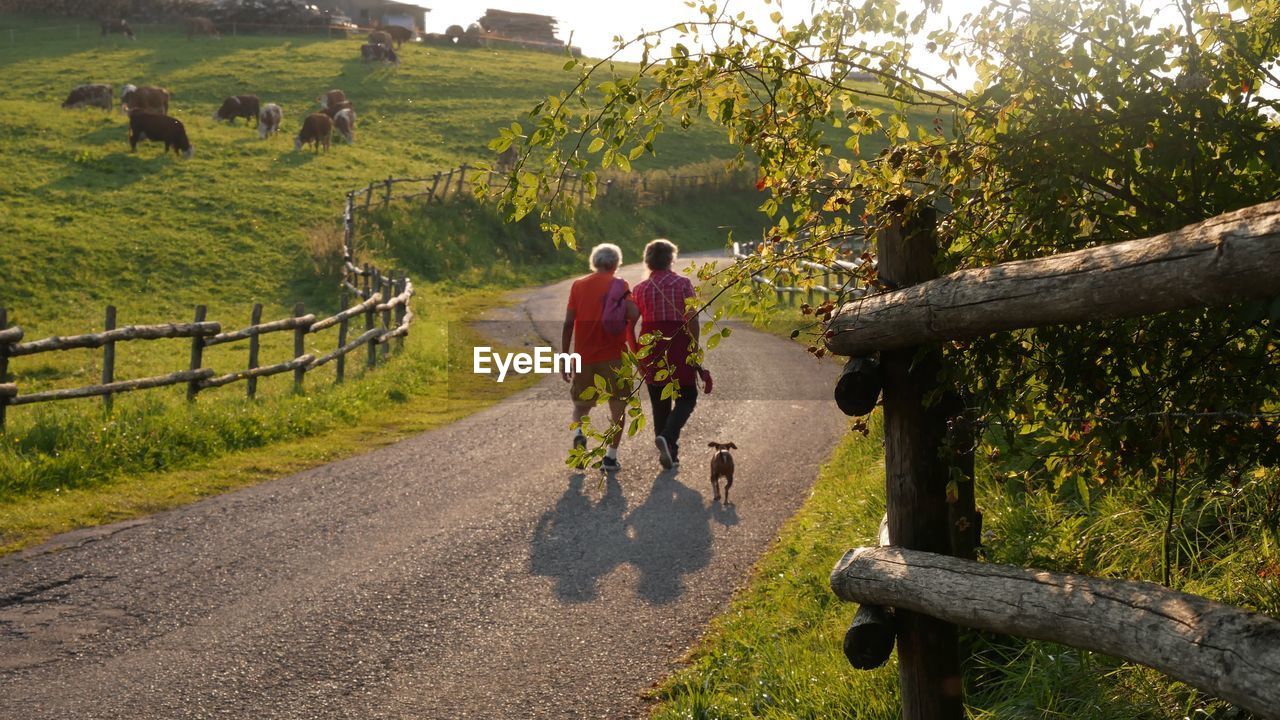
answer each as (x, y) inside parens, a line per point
(465, 572)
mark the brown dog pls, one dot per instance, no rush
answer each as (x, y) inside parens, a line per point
(722, 467)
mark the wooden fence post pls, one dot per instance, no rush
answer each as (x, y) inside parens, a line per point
(341, 367)
(197, 355)
(349, 229)
(388, 290)
(299, 347)
(462, 179)
(448, 180)
(251, 384)
(368, 196)
(916, 479)
(108, 357)
(401, 285)
(386, 199)
(435, 183)
(4, 365)
(368, 325)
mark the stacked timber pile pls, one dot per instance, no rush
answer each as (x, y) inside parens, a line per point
(528, 27)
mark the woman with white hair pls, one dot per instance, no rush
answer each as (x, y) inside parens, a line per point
(600, 350)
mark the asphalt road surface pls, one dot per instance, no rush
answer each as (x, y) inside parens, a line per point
(462, 573)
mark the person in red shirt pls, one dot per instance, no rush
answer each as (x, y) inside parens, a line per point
(665, 314)
(600, 350)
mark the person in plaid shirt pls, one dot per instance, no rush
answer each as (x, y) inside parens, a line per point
(666, 316)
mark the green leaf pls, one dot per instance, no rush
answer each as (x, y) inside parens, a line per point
(595, 145)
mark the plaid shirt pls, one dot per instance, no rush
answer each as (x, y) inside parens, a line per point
(661, 297)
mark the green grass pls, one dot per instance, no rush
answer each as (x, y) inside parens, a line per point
(87, 224)
(775, 653)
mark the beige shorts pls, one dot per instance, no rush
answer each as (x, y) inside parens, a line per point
(608, 370)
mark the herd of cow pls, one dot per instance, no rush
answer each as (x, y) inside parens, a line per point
(148, 110)
(148, 106)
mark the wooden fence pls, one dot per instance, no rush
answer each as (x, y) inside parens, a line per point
(646, 189)
(929, 576)
(383, 302)
(837, 281)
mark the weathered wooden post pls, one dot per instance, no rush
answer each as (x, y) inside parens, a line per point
(197, 356)
(448, 181)
(435, 183)
(108, 357)
(299, 347)
(251, 384)
(341, 367)
(369, 312)
(462, 179)
(916, 479)
(388, 291)
(368, 196)
(401, 285)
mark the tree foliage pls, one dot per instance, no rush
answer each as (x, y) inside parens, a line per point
(1090, 122)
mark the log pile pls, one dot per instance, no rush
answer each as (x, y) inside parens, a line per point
(528, 27)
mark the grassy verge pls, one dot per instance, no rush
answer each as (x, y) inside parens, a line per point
(776, 652)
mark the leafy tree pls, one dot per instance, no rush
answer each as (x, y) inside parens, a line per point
(1089, 123)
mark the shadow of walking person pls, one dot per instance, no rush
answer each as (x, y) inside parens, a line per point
(670, 537)
(578, 542)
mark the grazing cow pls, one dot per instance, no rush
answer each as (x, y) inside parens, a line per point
(245, 106)
(332, 98)
(400, 34)
(147, 97)
(116, 26)
(158, 128)
(369, 53)
(317, 129)
(379, 37)
(269, 120)
(201, 26)
(345, 123)
(333, 110)
(97, 95)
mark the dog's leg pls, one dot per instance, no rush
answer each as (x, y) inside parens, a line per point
(728, 483)
(715, 484)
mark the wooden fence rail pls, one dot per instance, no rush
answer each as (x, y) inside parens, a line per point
(1220, 649)
(203, 334)
(1224, 651)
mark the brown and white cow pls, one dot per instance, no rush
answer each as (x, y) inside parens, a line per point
(116, 25)
(317, 129)
(245, 106)
(331, 98)
(269, 120)
(201, 26)
(333, 110)
(158, 128)
(345, 123)
(96, 95)
(379, 37)
(147, 97)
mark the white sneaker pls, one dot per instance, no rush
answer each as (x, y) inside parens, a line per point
(664, 453)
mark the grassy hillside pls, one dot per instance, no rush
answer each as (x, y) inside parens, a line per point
(86, 222)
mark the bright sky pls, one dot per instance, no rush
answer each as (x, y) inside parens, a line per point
(593, 23)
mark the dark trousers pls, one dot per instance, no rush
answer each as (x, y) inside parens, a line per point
(670, 415)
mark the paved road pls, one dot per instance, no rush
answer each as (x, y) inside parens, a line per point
(462, 573)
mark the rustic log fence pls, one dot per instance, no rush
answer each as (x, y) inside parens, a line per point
(837, 281)
(927, 575)
(384, 303)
